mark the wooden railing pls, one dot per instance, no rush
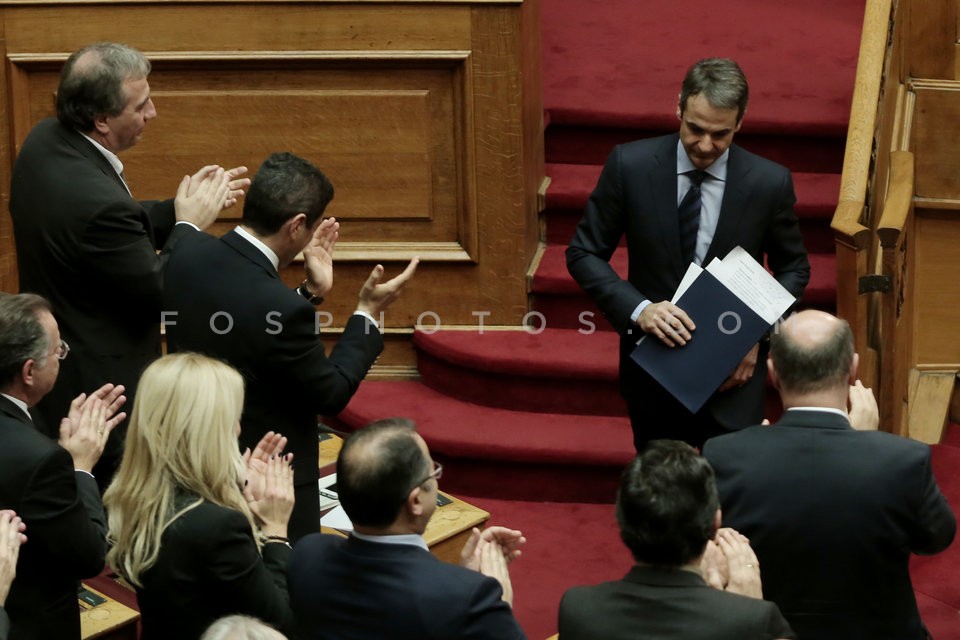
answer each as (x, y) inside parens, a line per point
(897, 224)
(855, 242)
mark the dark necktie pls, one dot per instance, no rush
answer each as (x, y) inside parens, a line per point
(689, 216)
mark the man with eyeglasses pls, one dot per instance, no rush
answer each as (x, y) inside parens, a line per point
(382, 581)
(50, 487)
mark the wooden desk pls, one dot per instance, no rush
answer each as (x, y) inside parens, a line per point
(450, 525)
(109, 619)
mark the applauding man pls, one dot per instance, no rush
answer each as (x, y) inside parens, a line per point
(49, 486)
(224, 297)
(375, 583)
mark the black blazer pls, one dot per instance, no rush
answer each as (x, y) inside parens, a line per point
(89, 248)
(209, 567)
(833, 515)
(636, 197)
(666, 604)
(269, 333)
(351, 589)
(66, 529)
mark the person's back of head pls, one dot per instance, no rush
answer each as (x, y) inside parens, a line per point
(284, 186)
(238, 627)
(91, 83)
(377, 468)
(182, 440)
(811, 354)
(22, 337)
(720, 81)
(667, 504)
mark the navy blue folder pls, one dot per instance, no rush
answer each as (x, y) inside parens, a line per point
(726, 330)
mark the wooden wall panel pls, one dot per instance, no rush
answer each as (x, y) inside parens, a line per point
(937, 104)
(936, 296)
(932, 39)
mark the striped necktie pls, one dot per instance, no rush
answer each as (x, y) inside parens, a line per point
(689, 216)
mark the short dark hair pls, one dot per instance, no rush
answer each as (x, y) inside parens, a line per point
(802, 369)
(22, 337)
(377, 468)
(667, 504)
(722, 83)
(95, 86)
(284, 186)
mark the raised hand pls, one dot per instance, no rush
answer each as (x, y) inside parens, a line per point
(742, 563)
(202, 196)
(272, 510)
(375, 297)
(255, 464)
(112, 397)
(11, 537)
(493, 563)
(85, 437)
(236, 186)
(318, 257)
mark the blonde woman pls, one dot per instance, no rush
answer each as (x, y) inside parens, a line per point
(198, 529)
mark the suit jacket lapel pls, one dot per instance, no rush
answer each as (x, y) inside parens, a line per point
(734, 200)
(663, 186)
(239, 244)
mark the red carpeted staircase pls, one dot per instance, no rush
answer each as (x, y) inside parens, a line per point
(536, 414)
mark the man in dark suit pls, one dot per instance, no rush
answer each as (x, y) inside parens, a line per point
(224, 297)
(85, 244)
(679, 199)
(833, 512)
(685, 585)
(382, 581)
(49, 485)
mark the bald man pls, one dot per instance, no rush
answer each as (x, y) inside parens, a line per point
(832, 507)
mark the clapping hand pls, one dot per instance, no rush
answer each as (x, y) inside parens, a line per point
(318, 257)
(509, 540)
(255, 464)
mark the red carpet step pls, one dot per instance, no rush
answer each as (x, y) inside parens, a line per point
(553, 371)
(502, 453)
(618, 63)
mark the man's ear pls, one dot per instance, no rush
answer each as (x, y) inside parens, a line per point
(100, 124)
(854, 367)
(415, 502)
(28, 372)
(679, 109)
(293, 226)
(772, 372)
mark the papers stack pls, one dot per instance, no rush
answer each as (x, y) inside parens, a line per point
(733, 303)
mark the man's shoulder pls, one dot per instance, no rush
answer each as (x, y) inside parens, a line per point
(739, 155)
(736, 439)
(647, 147)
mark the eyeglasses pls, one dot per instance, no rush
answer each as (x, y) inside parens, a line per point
(62, 350)
(436, 474)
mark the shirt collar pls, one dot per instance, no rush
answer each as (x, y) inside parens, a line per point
(109, 155)
(824, 409)
(264, 249)
(401, 538)
(20, 403)
(717, 170)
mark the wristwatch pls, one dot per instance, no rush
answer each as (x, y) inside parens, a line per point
(309, 297)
